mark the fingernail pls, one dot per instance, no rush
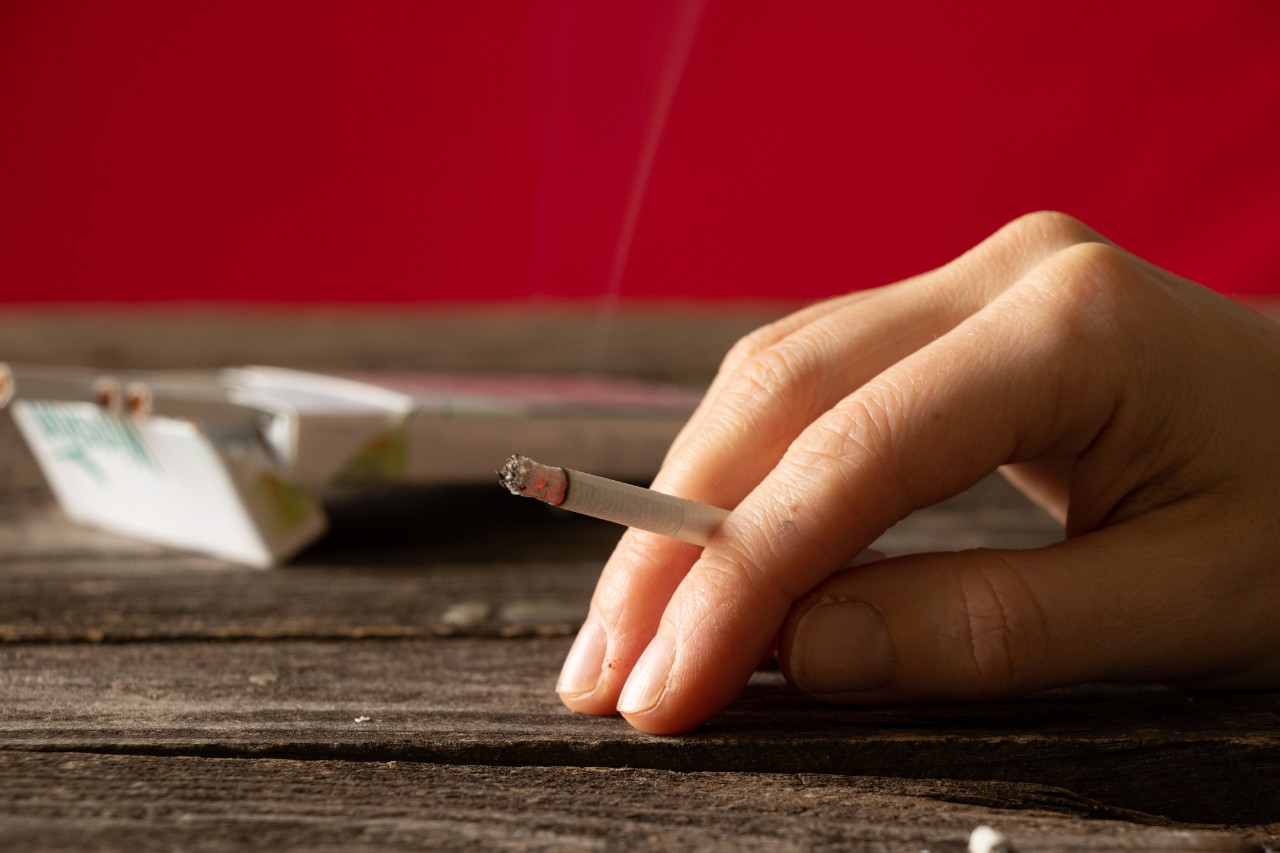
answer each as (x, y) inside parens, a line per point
(842, 646)
(649, 678)
(582, 667)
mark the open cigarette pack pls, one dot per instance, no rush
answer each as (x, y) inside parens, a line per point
(233, 462)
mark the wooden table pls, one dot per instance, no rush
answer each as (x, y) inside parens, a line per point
(156, 700)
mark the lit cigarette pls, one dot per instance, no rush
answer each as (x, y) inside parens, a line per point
(621, 503)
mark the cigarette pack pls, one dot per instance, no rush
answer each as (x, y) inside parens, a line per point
(234, 463)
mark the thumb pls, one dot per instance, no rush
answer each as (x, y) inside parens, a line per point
(1140, 601)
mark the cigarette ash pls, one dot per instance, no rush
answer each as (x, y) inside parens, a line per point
(522, 476)
(514, 474)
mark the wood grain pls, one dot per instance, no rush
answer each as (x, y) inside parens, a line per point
(157, 700)
(74, 801)
(675, 343)
(478, 701)
(391, 565)
(393, 562)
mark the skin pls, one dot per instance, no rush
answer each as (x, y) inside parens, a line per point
(1139, 408)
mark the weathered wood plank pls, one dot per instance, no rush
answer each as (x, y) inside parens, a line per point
(471, 701)
(115, 602)
(394, 561)
(337, 590)
(190, 744)
(70, 801)
(656, 342)
(681, 343)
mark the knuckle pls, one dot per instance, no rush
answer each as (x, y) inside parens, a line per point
(845, 439)
(786, 370)
(751, 345)
(862, 425)
(1002, 628)
(1093, 282)
(854, 444)
(848, 434)
(1049, 228)
(1096, 263)
(1032, 238)
(729, 585)
(1020, 245)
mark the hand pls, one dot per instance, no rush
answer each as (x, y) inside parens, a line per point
(1140, 409)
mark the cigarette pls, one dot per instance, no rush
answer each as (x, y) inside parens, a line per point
(621, 503)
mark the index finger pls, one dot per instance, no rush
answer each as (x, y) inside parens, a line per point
(770, 389)
(925, 429)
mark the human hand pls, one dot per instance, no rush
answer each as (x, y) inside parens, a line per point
(1140, 409)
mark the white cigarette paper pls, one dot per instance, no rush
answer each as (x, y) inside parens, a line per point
(621, 503)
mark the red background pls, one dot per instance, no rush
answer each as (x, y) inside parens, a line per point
(390, 151)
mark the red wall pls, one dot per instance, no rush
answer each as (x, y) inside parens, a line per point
(326, 151)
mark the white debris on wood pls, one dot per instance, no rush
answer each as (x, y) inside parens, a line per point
(984, 839)
(542, 613)
(466, 614)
